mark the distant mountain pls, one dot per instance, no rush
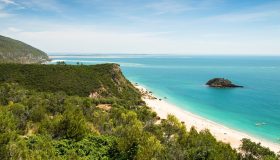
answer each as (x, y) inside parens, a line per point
(14, 51)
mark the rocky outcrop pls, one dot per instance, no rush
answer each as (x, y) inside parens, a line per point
(221, 83)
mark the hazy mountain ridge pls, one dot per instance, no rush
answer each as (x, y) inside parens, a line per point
(14, 51)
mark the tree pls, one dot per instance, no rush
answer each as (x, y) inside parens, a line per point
(254, 151)
(172, 126)
(60, 63)
(33, 148)
(129, 132)
(90, 147)
(20, 114)
(7, 131)
(149, 148)
(73, 124)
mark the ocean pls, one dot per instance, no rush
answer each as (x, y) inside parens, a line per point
(254, 109)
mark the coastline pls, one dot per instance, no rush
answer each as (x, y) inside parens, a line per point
(219, 131)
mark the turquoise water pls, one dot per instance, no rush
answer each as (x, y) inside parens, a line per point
(182, 79)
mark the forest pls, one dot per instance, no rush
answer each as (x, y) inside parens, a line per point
(46, 113)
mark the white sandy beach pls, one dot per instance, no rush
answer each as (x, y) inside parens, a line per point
(221, 132)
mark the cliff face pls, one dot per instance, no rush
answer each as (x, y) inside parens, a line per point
(114, 84)
(14, 51)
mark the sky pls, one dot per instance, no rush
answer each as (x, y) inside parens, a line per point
(195, 27)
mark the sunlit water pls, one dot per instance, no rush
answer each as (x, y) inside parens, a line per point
(182, 80)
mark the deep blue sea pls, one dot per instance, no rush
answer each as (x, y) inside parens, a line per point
(182, 80)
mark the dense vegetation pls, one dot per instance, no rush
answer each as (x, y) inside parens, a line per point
(13, 51)
(57, 124)
(105, 80)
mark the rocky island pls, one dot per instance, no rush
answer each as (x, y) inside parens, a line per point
(221, 83)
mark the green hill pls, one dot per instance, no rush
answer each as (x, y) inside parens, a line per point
(104, 80)
(14, 51)
(46, 113)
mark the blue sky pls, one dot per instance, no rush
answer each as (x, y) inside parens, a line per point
(239, 27)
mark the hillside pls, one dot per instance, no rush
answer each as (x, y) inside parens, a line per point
(105, 80)
(46, 113)
(14, 51)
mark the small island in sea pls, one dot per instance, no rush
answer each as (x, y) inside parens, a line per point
(222, 83)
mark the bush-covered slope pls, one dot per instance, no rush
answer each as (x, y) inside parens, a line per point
(14, 51)
(45, 113)
(39, 125)
(104, 80)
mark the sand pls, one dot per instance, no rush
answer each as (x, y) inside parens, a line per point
(220, 132)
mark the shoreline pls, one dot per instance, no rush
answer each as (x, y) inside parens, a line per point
(219, 131)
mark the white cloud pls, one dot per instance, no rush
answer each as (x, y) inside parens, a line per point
(47, 5)
(172, 6)
(75, 40)
(13, 29)
(4, 15)
(3, 8)
(168, 6)
(256, 13)
(9, 2)
(246, 17)
(152, 35)
(81, 39)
